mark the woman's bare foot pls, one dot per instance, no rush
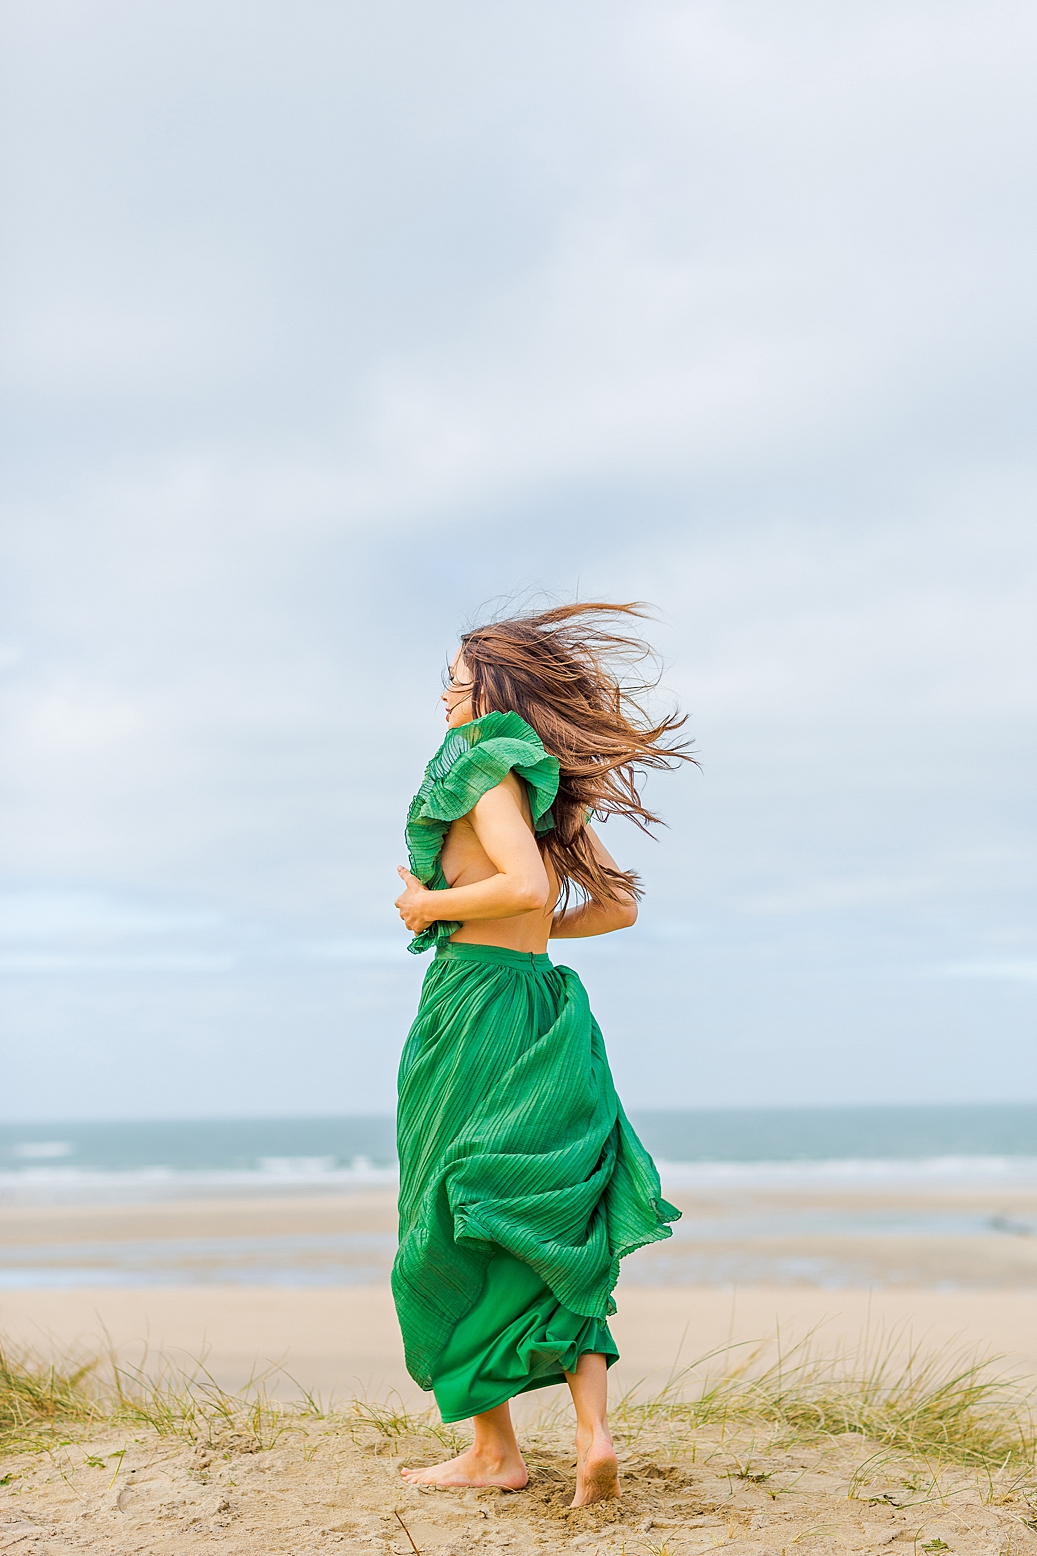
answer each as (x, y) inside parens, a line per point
(597, 1470)
(474, 1469)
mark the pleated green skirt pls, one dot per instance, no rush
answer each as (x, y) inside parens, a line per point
(522, 1184)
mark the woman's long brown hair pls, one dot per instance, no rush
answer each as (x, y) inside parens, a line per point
(568, 672)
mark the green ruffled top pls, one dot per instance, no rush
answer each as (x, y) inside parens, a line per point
(473, 759)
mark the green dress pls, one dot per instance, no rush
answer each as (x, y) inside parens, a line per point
(522, 1184)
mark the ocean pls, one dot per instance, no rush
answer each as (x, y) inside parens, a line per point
(158, 1157)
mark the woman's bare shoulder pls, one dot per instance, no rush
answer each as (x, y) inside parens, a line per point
(510, 792)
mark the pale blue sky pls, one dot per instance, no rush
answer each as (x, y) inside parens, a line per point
(324, 324)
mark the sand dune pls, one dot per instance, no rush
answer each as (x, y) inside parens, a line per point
(331, 1484)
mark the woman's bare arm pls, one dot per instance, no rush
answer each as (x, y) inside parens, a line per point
(595, 918)
(520, 885)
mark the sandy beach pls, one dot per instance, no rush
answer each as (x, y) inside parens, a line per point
(339, 1338)
(328, 1482)
(331, 1483)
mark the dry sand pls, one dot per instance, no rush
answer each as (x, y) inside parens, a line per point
(334, 1486)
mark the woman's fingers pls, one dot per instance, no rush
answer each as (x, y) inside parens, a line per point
(405, 902)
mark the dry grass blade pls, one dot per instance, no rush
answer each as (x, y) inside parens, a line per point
(393, 1421)
(407, 1532)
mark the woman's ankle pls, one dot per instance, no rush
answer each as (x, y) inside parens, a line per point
(496, 1451)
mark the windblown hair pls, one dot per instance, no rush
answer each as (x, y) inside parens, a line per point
(574, 679)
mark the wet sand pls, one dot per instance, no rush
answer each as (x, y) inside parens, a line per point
(832, 1236)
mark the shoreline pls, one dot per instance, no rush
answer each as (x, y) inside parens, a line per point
(953, 1173)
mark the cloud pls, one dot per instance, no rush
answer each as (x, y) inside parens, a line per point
(61, 724)
(48, 962)
(63, 915)
(1011, 971)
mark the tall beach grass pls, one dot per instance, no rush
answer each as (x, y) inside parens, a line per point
(43, 1399)
(940, 1406)
(943, 1404)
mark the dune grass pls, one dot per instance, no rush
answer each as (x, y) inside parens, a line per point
(44, 1400)
(393, 1421)
(38, 1397)
(937, 1406)
(941, 1405)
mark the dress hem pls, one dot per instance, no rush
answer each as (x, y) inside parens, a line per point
(547, 1381)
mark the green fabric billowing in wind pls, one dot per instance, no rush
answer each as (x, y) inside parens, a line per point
(522, 1184)
(511, 1137)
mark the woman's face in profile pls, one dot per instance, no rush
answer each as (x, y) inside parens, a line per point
(457, 697)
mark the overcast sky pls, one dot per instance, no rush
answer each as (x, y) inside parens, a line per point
(327, 323)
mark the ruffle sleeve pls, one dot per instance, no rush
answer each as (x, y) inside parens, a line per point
(472, 760)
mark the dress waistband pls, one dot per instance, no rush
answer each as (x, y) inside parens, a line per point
(493, 956)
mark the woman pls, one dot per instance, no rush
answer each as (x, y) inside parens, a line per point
(522, 1184)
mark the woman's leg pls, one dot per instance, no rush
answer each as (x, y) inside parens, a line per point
(597, 1472)
(492, 1460)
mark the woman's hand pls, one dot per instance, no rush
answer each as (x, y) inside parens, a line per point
(416, 905)
(596, 918)
(519, 884)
